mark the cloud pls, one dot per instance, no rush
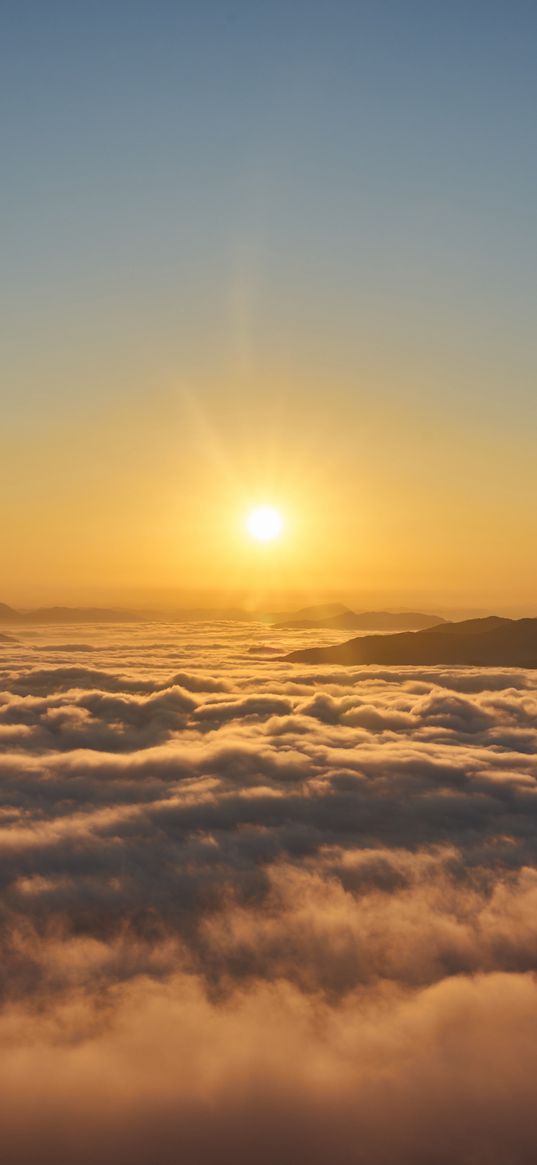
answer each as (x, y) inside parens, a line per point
(253, 913)
(162, 1072)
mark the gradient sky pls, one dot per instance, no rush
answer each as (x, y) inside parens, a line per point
(269, 252)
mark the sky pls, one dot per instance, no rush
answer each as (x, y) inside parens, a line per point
(268, 253)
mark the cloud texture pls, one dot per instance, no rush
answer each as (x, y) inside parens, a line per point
(253, 910)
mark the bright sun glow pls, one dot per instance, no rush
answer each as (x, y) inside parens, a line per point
(264, 523)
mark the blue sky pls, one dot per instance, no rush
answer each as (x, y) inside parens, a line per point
(298, 207)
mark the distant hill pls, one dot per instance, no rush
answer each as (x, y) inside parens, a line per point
(81, 615)
(67, 615)
(334, 615)
(474, 626)
(8, 614)
(348, 620)
(492, 642)
(51, 615)
(316, 615)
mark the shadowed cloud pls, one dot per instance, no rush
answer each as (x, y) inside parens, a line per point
(295, 900)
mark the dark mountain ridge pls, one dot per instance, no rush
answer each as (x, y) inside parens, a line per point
(492, 642)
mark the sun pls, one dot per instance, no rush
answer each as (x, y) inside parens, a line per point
(264, 523)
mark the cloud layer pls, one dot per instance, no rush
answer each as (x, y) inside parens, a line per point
(257, 910)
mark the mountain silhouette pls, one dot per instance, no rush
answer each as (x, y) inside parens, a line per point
(8, 614)
(490, 642)
(334, 615)
(348, 620)
(67, 615)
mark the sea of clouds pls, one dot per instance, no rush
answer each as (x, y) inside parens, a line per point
(259, 912)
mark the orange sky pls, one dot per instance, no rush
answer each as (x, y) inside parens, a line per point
(290, 262)
(125, 502)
